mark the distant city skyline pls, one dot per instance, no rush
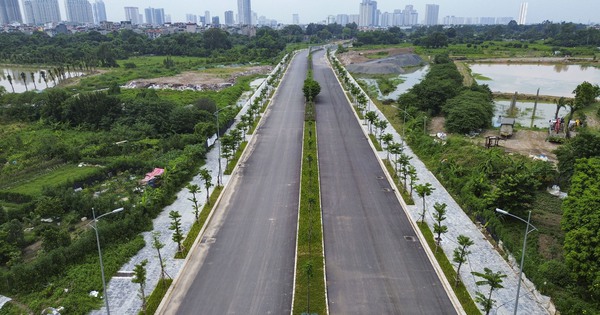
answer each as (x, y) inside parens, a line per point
(578, 11)
(313, 11)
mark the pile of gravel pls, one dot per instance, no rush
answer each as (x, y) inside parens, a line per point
(390, 65)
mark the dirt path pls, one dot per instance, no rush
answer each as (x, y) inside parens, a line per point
(466, 73)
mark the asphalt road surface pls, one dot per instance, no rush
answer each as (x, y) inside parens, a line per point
(245, 264)
(375, 264)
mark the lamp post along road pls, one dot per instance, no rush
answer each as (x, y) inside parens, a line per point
(95, 227)
(527, 231)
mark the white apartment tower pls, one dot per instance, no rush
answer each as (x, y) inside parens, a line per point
(229, 18)
(41, 11)
(244, 12)
(523, 13)
(431, 14)
(79, 11)
(132, 14)
(368, 14)
(10, 12)
(99, 11)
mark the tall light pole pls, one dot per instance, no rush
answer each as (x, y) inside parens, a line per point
(527, 231)
(219, 174)
(95, 226)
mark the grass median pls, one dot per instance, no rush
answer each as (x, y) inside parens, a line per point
(309, 296)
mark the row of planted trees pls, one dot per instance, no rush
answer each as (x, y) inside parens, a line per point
(407, 176)
(56, 75)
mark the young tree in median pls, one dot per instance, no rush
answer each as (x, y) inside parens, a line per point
(207, 179)
(404, 161)
(439, 215)
(424, 190)
(311, 89)
(194, 189)
(387, 139)
(380, 124)
(461, 253)
(139, 276)
(176, 227)
(412, 174)
(494, 280)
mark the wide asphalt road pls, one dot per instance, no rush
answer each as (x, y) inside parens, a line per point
(245, 264)
(375, 264)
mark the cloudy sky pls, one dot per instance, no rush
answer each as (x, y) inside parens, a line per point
(581, 11)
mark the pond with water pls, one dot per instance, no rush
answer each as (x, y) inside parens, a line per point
(543, 113)
(554, 80)
(409, 80)
(30, 83)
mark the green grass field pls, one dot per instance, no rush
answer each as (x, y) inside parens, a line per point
(57, 177)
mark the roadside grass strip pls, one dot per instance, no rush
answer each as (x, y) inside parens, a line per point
(238, 153)
(309, 294)
(405, 194)
(156, 297)
(188, 242)
(375, 142)
(461, 291)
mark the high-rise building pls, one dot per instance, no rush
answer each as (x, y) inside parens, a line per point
(10, 12)
(28, 8)
(229, 18)
(523, 13)
(368, 14)
(295, 19)
(431, 14)
(42, 11)
(410, 16)
(79, 11)
(244, 12)
(155, 16)
(207, 17)
(99, 11)
(341, 19)
(132, 14)
(215, 21)
(191, 18)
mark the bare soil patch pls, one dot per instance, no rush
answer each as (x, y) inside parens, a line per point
(212, 79)
(525, 142)
(360, 56)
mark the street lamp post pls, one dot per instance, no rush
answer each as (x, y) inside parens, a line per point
(527, 231)
(95, 226)
(219, 175)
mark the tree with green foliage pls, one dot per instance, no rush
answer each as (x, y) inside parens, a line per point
(32, 76)
(585, 145)
(139, 276)
(176, 228)
(24, 79)
(311, 89)
(585, 95)
(413, 176)
(467, 112)
(514, 191)
(158, 245)
(581, 224)
(424, 190)
(387, 139)
(461, 253)
(380, 124)
(207, 179)
(194, 189)
(439, 215)
(492, 279)
(404, 162)
(54, 237)
(371, 117)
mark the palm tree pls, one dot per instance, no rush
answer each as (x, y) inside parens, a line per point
(33, 80)
(194, 189)
(424, 190)
(439, 215)
(494, 280)
(52, 76)
(10, 82)
(43, 76)
(24, 78)
(461, 253)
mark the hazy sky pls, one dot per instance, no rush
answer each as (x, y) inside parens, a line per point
(581, 11)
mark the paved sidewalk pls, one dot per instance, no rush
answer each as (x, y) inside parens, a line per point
(122, 293)
(482, 254)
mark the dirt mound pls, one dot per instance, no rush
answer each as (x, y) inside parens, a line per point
(391, 65)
